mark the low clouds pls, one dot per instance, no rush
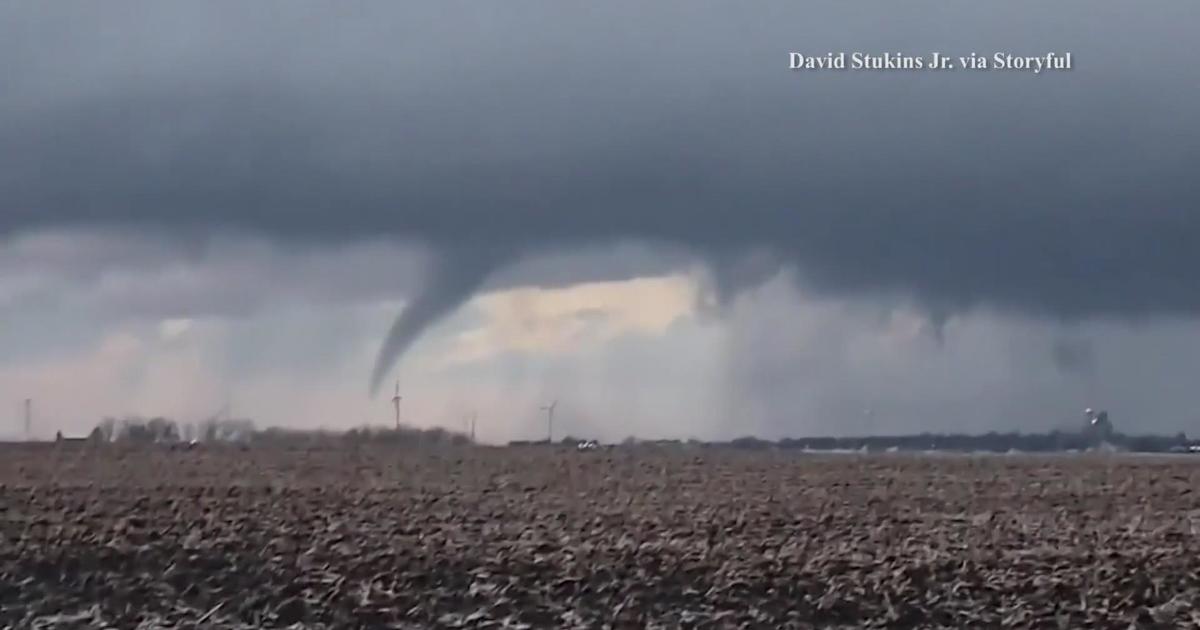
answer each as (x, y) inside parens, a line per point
(583, 317)
(794, 363)
(1074, 355)
(114, 276)
(780, 363)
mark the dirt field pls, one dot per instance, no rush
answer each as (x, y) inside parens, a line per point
(225, 538)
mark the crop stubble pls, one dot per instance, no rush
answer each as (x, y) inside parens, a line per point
(535, 537)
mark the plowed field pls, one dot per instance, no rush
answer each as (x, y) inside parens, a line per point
(104, 536)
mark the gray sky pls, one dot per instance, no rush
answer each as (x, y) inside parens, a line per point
(317, 165)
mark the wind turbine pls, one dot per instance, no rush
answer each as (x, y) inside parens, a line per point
(470, 424)
(396, 404)
(549, 409)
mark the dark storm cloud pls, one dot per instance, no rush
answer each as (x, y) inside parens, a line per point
(1074, 356)
(499, 131)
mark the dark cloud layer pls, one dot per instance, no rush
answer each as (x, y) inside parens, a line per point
(495, 132)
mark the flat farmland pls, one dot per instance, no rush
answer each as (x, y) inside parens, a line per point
(373, 537)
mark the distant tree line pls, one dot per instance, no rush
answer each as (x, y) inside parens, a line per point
(139, 430)
(406, 435)
(164, 430)
(1054, 441)
(361, 436)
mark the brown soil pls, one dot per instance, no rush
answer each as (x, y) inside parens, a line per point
(389, 538)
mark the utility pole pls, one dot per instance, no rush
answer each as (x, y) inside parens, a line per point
(473, 416)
